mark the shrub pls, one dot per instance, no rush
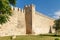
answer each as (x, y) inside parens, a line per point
(56, 38)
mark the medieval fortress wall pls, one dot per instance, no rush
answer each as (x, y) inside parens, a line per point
(42, 24)
(16, 25)
(26, 21)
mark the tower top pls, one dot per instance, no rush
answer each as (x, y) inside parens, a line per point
(31, 5)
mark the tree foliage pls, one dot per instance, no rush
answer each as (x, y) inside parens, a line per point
(5, 10)
(57, 24)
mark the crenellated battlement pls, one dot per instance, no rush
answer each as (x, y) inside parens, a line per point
(17, 9)
(22, 10)
(31, 5)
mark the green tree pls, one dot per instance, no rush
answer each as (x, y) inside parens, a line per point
(5, 10)
(57, 25)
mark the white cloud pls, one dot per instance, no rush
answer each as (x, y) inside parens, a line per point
(56, 14)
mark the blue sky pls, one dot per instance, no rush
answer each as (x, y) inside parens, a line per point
(48, 7)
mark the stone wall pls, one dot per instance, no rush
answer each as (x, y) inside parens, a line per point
(42, 24)
(39, 23)
(16, 25)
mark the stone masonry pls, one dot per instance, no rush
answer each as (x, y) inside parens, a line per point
(27, 21)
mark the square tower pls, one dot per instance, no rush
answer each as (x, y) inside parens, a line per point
(29, 12)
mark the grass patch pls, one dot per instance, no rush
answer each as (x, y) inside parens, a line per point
(52, 35)
(30, 37)
(5, 38)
